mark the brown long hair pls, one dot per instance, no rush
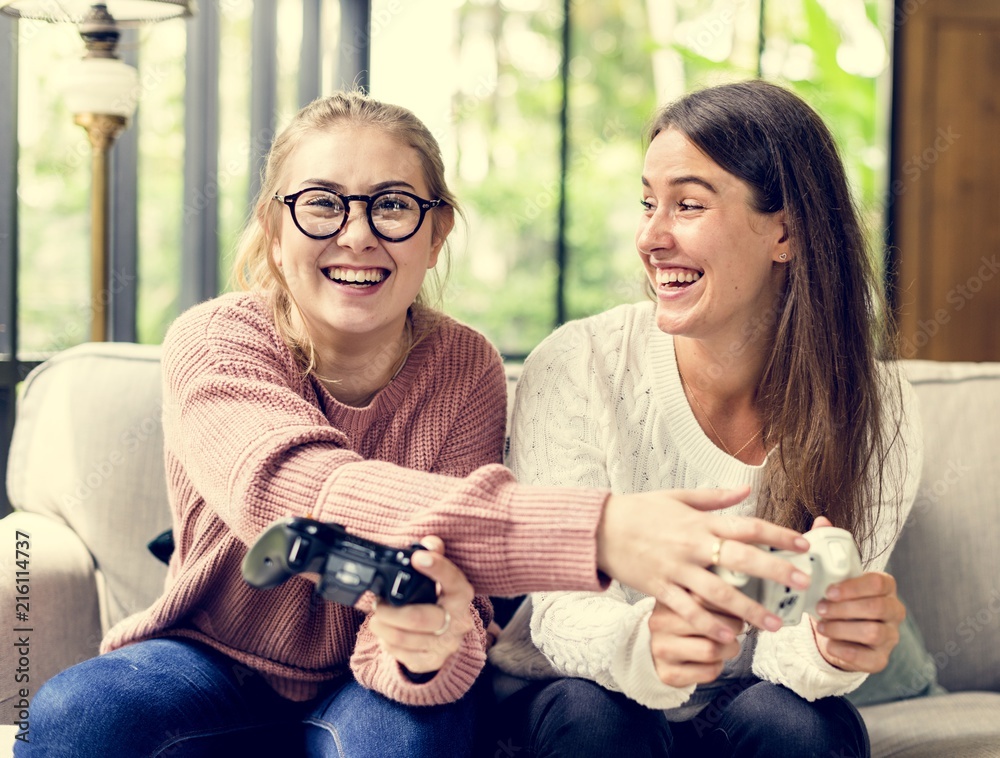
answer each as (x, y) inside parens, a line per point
(823, 399)
(254, 267)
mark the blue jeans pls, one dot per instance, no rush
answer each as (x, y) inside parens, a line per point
(578, 718)
(180, 699)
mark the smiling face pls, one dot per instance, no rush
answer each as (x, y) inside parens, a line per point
(710, 257)
(355, 285)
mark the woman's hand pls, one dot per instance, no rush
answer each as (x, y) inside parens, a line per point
(422, 636)
(682, 655)
(661, 543)
(859, 620)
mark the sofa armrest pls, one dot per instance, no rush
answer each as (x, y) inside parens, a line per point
(62, 616)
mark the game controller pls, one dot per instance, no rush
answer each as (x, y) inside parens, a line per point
(347, 565)
(832, 557)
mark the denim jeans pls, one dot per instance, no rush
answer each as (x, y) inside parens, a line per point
(180, 699)
(578, 718)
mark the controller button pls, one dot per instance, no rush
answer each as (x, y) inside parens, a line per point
(399, 586)
(349, 573)
(344, 577)
(300, 547)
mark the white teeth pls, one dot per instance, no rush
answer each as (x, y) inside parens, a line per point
(669, 277)
(351, 275)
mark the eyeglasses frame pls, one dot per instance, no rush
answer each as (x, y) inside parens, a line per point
(425, 205)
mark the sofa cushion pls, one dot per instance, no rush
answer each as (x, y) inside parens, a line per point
(960, 724)
(947, 560)
(88, 451)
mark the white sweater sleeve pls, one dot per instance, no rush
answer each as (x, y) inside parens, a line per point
(601, 637)
(559, 423)
(790, 656)
(560, 435)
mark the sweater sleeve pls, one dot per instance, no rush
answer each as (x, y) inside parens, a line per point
(559, 437)
(474, 439)
(604, 638)
(256, 449)
(561, 414)
(790, 656)
(377, 670)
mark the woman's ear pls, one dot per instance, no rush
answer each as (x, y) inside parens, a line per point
(442, 227)
(265, 225)
(782, 252)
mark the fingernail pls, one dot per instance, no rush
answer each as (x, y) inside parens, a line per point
(800, 579)
(833, 593)
(822, 608)
(423, 559)
(725, 634)
(821, 628)
(802, 543)
(772, 623)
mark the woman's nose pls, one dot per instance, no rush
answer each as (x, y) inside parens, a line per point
(356, 233)
(654, 234)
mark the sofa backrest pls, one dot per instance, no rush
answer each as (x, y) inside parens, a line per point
(947, 561)
(88, 451)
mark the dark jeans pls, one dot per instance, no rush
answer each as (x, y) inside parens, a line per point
(176, 698)
(578, 718)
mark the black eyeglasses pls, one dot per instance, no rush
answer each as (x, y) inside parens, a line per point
(393, 215)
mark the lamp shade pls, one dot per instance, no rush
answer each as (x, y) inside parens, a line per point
(125, 12)
(102, 85)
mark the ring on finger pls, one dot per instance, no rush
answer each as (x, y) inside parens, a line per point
(445, 625)
(717, 551)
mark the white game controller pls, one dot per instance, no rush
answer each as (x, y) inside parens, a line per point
(832, 557)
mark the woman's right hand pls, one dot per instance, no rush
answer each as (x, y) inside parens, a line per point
(662, 543)
(422, 636)
(681, 654)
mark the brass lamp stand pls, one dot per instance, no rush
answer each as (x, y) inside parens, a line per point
(103, 130)
(100, 34)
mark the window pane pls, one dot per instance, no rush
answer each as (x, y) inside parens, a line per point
(54, 192)
(161, 211)
(484, 78)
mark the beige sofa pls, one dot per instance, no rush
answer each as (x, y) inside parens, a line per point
(86, 478)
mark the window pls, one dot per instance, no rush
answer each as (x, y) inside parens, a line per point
(548, 175)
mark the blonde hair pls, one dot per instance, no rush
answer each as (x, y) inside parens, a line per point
(254, 268)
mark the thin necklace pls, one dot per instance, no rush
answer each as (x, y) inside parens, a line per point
(708, 418)
(407, 342)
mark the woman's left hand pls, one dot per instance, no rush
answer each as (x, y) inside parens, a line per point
(421, 637)
(859, 620)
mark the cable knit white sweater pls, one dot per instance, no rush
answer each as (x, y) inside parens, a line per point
(600, 404)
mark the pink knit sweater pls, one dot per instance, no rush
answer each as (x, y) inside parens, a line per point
(249, 439)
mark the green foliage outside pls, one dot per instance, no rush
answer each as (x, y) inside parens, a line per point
(503, 277)
(612, 99)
